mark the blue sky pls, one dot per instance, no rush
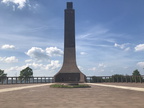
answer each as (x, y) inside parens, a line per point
(109, 36)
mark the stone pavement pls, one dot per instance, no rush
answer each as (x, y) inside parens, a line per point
(120, 87)
(94, 97)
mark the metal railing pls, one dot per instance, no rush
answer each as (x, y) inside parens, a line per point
(90, 79)
(28, 80)
(114, 79)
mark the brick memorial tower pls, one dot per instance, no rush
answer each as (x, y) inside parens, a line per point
(69, 73)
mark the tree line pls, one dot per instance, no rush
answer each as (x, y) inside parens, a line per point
(135, 77)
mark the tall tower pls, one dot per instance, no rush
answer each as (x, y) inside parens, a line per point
(69, 71)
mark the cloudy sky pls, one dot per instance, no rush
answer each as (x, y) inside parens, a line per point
(109, 36)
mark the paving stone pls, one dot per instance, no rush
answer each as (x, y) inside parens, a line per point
(94, 97)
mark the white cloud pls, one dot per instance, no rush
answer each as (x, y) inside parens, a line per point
(14, 8)
(35, 66)
(19, 3)
(83, 53)
(16, 68)
(122, 46)
(37, 54)
(7, 46)
(54, 64)
(102, 65)
(127, 49)
(40, 55)
(94, 32)
(54, 51)
(140, 64)
(139, 47)
(93, 69)
(33, 6)
(29, 60)
(85, 35)
(81, 68)
(99, 68)
(11, 59)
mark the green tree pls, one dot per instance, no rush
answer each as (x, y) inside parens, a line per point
(26, 73)
(136, 76)
(118, 78)
(136, 73)
(96, 79)
(2, 75)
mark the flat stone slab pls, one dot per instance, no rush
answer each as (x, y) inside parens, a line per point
(94, 97)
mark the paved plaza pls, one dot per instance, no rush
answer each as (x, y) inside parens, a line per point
(98, 96)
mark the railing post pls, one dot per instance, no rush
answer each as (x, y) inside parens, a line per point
(2, 80)
(16, 80)
(135, 79)
(6, 80)
(33, 79)
(48, 80)
(90, 79)
(121, 79)
(109, 78)
(126, 79)
(105, 79)
(11, 80)
(117, 79)
(30, 80)
(101, 79)
(140, 79)
(25, 81)
(41, 79)
(37, 79)
(131, 79)
(113, 79)
(20, 80)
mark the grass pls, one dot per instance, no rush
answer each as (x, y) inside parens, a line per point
(70, 86)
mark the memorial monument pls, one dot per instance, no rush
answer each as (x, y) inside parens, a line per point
(69, 73)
